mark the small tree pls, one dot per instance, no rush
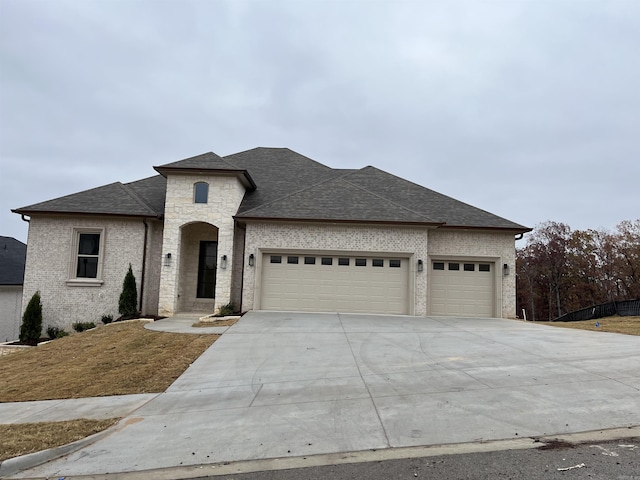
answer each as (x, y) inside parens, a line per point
(128, 304)
(31, 327)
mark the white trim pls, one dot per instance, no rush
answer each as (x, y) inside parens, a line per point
(73, 279)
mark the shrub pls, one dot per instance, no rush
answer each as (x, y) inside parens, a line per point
(225, 310)
(55, 332)
(31, 327)
(82, 326)
(106, 319)
(128, 304)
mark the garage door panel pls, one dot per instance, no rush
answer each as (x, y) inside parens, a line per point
(467, 291)
(335, 287)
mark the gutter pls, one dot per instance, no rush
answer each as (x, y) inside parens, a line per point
(144, 261)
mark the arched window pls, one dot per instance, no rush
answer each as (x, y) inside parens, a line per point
(201, 192)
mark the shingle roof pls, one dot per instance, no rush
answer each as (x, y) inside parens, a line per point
(289, 186)
(13, 254)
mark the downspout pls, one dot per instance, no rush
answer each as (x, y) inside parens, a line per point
(144, 261)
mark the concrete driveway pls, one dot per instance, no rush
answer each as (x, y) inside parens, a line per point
(297, 384)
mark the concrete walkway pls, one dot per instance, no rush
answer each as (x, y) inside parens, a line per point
(292, 385)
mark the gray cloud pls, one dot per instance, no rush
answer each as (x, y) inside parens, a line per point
(527, 109)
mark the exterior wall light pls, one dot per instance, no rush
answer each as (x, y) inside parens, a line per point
(505, 269)
(252, 260)
(223, 262)
(167, 260)
(420, 265)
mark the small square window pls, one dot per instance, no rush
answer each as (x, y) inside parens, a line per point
(484, 267)
(309, 260)
(438, 265)
(454, 266)
(394, 263)
(276, 259)
(469, 267)
(327, 261)
(292, 260)
(361, 262)
(343, 261)
(377, 262)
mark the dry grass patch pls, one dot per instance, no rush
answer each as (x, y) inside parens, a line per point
(23, 438)
(117, 359)
(627, 325)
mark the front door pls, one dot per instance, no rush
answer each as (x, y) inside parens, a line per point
(207, 264)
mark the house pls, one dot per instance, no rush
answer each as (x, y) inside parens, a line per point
(269, 229)
(12, 258)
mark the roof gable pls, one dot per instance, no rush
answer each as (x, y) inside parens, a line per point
(13, 254)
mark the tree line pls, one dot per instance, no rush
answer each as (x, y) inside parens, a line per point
(560, 270)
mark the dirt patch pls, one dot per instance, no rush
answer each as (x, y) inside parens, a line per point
(221, 322)
(556, 445)
(119, 359)
(23, 438)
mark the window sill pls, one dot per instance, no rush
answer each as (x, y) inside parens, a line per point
(84, 282)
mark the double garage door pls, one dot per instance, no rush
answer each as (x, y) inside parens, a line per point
(335, 283)
(462, 288)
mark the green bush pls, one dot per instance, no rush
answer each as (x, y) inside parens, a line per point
(31, 327)
(56, 332)
(82, 326)
(106, 319)
(226, 310)
(128, 304)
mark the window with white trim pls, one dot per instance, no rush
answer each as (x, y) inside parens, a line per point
(88, 252)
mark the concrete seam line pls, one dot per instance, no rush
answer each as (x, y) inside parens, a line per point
(15, 465)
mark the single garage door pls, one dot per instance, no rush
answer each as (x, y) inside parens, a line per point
(334, 283)
(462, 288)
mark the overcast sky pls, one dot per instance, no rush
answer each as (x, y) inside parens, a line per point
(527, 109)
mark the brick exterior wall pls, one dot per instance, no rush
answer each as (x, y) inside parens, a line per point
(496, 246)
(10, 312)
(225, 195)
(367, 239)
(49, 260)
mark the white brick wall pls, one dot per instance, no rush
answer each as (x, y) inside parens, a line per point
(264, 236)
(497, 246)
(225, 195)
(10, 312)
(49, 257)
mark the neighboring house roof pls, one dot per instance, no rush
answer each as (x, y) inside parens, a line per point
(13, 254)
(286, 185)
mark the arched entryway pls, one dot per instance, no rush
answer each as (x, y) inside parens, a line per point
(198, 267)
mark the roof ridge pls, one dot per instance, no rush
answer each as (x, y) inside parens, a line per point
(136, 197)
(384, 198)
(294, 193)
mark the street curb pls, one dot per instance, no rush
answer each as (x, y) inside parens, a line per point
(15, 465)
(395, 453)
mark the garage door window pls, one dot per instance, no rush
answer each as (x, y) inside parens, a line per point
(343, 262)
(394, 263)
(276, 259)
(292, 260)
(469, 267)
(454, 266)
(361, 262)
(377, 262)
(327, 261)
(309, 260)
(438, 265)
(484, 267)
